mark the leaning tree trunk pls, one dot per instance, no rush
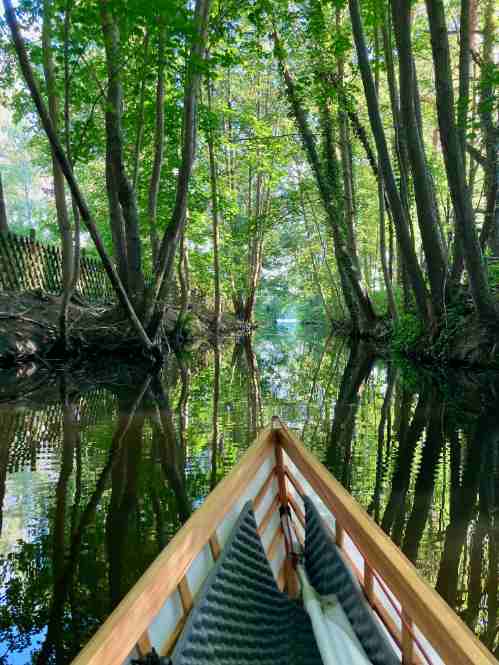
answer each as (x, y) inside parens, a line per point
(56, 146)
(399, 213)
(58, 177)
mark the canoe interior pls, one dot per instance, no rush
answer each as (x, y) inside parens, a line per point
(170, 620)
(277, 470)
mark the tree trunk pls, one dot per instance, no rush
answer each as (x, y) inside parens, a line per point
(490, 231)
(166, 256)
(347, 167)
(4, 224)
(399, 213)
(114, 140)
(183, 274)
(139, 137)
(392, 307)
(116, 222)
(68, 173)
(454, 163)
(58, 177)
(423, 188)
(400, 138)
(67, 136)
(214, 213)
(159, 142)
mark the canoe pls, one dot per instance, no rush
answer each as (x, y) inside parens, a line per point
(237, 556)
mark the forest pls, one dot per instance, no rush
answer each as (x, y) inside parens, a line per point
(336, 160)
(217, 211)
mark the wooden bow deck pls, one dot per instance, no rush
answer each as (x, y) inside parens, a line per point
(278, 470)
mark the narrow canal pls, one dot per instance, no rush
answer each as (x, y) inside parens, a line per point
(91, 487)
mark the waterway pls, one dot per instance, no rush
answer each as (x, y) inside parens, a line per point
(97, 472)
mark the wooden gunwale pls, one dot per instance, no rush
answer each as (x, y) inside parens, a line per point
(129, 621)
(444, 630)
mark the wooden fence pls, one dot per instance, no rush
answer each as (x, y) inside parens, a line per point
(26, 264)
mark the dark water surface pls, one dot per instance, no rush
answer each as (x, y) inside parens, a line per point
(97, 475)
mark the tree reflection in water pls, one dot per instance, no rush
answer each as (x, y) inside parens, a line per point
(93, 485)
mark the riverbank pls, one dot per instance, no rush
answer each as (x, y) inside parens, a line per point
(460, 340)
(29, 329)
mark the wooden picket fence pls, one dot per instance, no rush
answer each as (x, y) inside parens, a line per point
(26, 265)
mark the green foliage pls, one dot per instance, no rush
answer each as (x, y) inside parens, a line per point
(452, 325)
(407, 331)
(493, 274)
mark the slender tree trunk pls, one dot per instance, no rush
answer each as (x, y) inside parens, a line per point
(490, 231)
(116, 223)
(159, 142)
(166, 256)
(454, 163)
(67, 136)
(58, 177)
(399, 214)
(347, 168)
(183, 273)
(392, 307)
(214, 213)
(4, 224)
(68, 173)
(423, 188)
(114, 139)
(139, 137)
(462, 116)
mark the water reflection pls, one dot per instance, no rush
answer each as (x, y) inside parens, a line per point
(95, 482)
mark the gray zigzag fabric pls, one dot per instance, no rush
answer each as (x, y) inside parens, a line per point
(241, 616)
(329, 574)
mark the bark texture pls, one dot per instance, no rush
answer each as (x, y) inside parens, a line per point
(454, 163)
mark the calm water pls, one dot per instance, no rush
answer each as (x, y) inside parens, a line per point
(97, 473)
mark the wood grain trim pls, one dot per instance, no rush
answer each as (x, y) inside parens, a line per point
(407, 640)
(295, 482)
(278, 535)
(268, 515)
(297, 511)
(215, 548)
(368, 583)
(281, 578)
(263, 490)
(427, 609)
(170, 643)
(281, 478)
(132, 616)
(144, 645)
(298, 535)
(185, 595)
